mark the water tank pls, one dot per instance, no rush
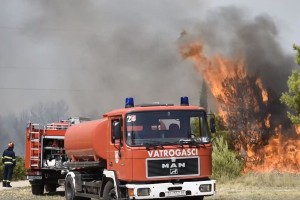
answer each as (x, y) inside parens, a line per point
(87, 140)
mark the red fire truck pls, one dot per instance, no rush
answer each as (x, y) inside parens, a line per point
(45, 154)
(137, 152)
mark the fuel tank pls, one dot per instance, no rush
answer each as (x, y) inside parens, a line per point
(87, 141)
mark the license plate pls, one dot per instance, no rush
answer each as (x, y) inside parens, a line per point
(175, 193)
(34, 177)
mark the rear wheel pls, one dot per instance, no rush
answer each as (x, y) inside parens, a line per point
(109, 192)
(50, 188)
(37, 189)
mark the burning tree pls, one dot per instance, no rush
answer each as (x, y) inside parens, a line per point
(250, 111)
(245, 112)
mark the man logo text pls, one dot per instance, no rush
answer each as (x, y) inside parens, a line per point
(173, 165)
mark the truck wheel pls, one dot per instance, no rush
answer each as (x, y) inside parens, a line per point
(50, 188)
(70, 190)
(109, 192)
(37, 189)
(194, 198)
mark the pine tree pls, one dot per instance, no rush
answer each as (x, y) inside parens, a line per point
(292, 97)
(203, 96)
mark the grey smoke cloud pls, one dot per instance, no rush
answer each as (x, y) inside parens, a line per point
(234, 33)
(93, 54)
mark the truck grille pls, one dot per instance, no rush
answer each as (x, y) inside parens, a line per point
(161, 167)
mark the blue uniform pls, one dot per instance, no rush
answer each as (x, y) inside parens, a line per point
(9, 161)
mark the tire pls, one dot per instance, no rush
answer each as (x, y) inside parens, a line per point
(50, 188)
(70, 190)
(109, 192)
(37, 189)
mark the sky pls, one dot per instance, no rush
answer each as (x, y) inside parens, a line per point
(93, 54)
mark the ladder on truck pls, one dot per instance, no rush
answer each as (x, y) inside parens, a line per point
(35, 146)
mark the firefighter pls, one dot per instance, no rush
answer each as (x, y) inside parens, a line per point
(9, 161)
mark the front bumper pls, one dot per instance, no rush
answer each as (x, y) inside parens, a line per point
(168, 190)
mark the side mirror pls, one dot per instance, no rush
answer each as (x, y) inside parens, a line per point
(116, 131)
(212, 124)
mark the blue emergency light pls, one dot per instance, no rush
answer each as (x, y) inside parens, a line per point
(129, 102)
(184, 101)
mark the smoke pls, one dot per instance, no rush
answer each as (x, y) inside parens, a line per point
(93, 54)
(234, 33)
(12, 126)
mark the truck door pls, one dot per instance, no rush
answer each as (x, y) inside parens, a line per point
(119, 159)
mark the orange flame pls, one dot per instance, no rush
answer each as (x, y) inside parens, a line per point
(267, 121)
(264, 92)
(214, 70)
(280, 155)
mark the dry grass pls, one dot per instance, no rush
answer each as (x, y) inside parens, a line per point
(240, 192)
(250, 187)
(270, 180)
(271, 186)
(25, 194)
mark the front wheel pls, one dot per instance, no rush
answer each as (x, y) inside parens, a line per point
(70, 190)
(194, 198)
(109, 192)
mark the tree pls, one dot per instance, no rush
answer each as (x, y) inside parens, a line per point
(12, 127)
(297, 58)
(50, 112)
(292, 97)
(203, 96)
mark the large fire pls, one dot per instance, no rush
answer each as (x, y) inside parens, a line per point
(247, 108)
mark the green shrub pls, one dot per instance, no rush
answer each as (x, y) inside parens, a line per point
(19, 170)
(1, 170)
(226, 164)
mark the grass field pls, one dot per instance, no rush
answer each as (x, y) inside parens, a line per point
(259, 187)
(251, 187)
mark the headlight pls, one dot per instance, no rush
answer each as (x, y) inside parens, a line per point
(143, 191)
(130, 192)
(205, 188)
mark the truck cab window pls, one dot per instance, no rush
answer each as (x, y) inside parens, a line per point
(116, 130)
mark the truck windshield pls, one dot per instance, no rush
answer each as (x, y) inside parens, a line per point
(159, 128)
